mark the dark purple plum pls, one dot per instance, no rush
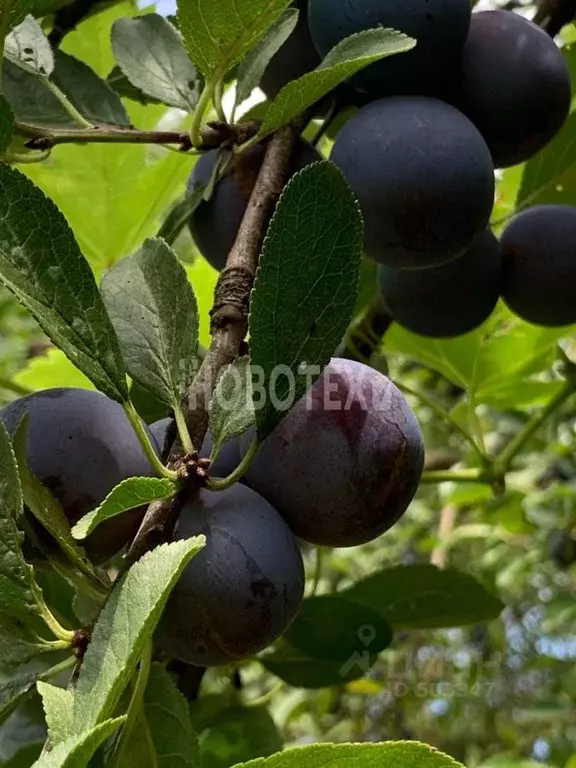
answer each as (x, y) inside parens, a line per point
(242, 590)
(80, 444)
(514, 85)
(539, 261)
(423, 176)
(448, 300)
(343, 465)
(226, 461)
(215, 223)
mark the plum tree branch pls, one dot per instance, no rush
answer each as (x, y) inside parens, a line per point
(229, 325)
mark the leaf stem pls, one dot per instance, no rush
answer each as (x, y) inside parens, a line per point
(66, 635)
(199, 112)
(183, 433)
(134, 707)
(506, 458)
(456, 476)
(221, 483)
(67, 104)
(142, 436)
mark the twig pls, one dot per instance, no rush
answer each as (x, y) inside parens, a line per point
(229, 325)
(445, 528)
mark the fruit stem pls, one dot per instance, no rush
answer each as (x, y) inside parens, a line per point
(222, 483)
(506, 458)
(183, 433)
(67, 104)
(134, 707)
(456, 476)
(142, 435)
(67, 636)
(317, 575)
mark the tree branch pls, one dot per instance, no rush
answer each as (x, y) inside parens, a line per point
(229, 325)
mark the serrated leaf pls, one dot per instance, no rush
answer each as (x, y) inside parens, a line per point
(130, 493)
(250, 71)
(231, 407)
(390, 754)
(348, 57)
(124, 627)
(58, 708)
(151, 53)
(27, 46)
(6, 123)
(91, 95)
(41, 264)
(424, 597)
(300, 670)
(239, 733)
(165, 717)
(219, 35)
(305, 288)
(41, 502)
(119, 83)
(332, 627)
(549, 177)
(31, 101)
(18, 644)
(77, 751)
(12, 13)
(18, 588)
(153, 309)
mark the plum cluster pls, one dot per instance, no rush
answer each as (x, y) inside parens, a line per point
(339, 470)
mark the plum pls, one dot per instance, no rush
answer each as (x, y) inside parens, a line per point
(539, 265)
(242, 590)
(439, 27)
(215, 223)
(514, 85)
(343, 465)
(448, 300)
(226, 461)
(80, 444)
(423, 176)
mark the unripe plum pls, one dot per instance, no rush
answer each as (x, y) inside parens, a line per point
(514, 86)
(448, 300)
(226, 461)
(215, 223)
(423, 176)
(539, 262)
(343, 465)
(80, 444)
(439, 27)
(242, 590)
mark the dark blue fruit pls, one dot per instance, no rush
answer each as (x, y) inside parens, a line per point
(539, 261)
(343, 465)
(423, 176)
(515, 85)
(80, 444)
(215, 223)
(439, 26)
(448, 300)
(243, 590)
(226, 461)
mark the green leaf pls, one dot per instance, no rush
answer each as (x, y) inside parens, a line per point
(172, 742)
(305, 288)
(6, 123)
(15, 691)
(51, 370)
(18, 588)
(77, 751)
(130, 493)
(40, 262)
(27, 46)
(119, 83)
(399, 754)
(254, 65)
(300, 670)
(239, 733)
(424, 597)
(348, 57)
(31, 101)
(150, 52)
(58, 708)
(180, 214)
(549, 176)
(154, 312)
(219, 35)
(18, 644)
(332, 627)
(231, 408)
(91, 95)
(40, 501)
(124, 627)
